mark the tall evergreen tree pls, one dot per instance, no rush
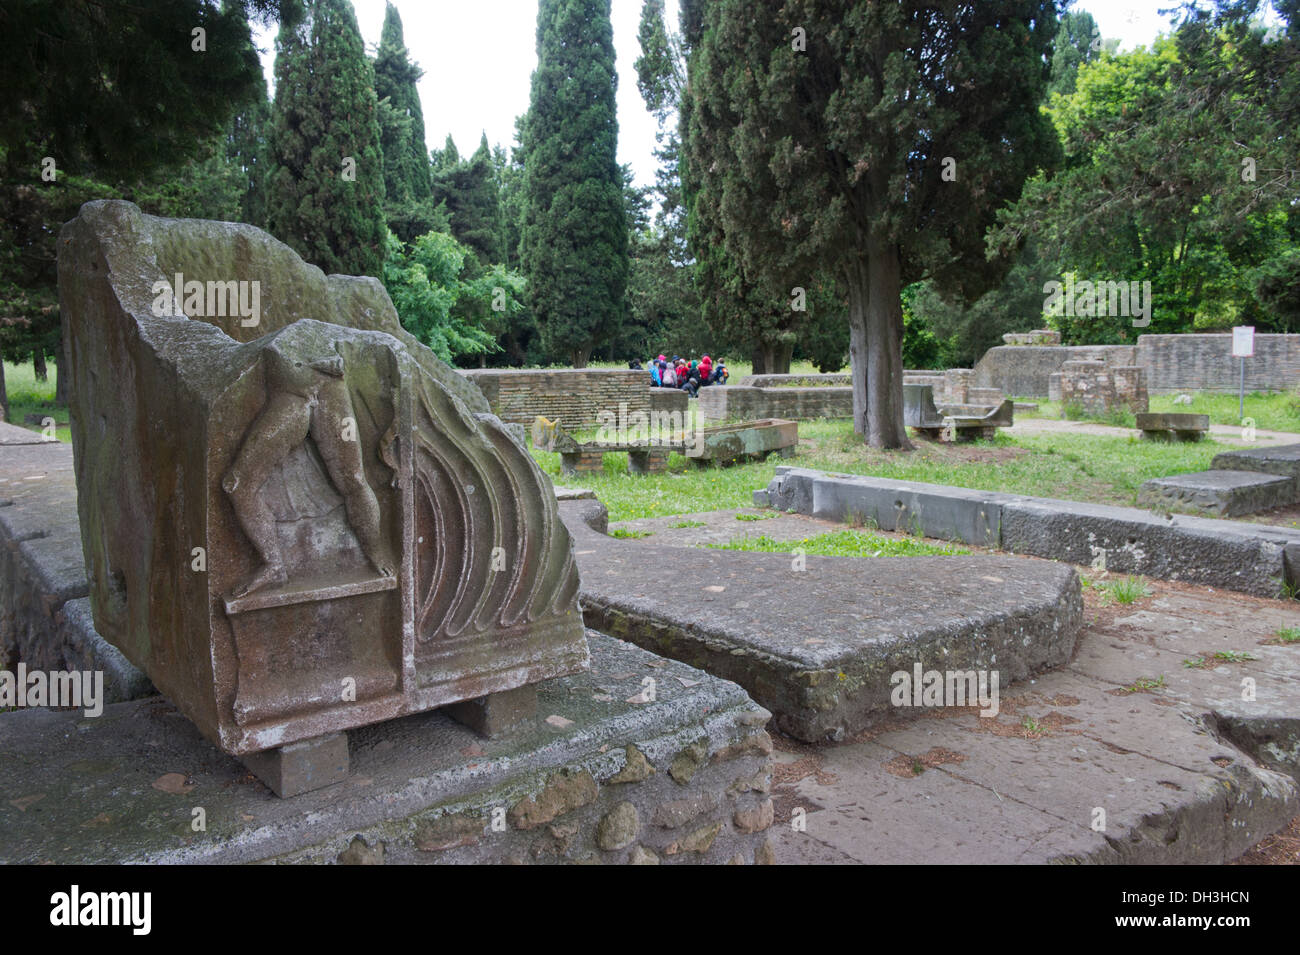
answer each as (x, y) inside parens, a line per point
(325, 185)
(575, 241)
(877, 141)
(406, 158)
(469, 190)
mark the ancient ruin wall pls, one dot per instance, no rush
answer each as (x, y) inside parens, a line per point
(572, 396)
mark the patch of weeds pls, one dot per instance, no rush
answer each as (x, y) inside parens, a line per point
(756, 517)
(1145, 685)
(1196, 663)
(683, 524)
(917, 768)
(1288, 591)
(1234, 656)
(625, 534)
(1126, 591)
(1032, 726)
(1286, 636)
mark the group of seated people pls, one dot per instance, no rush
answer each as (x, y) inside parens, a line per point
(688, 375)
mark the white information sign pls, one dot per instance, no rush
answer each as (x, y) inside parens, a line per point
(1243, 341)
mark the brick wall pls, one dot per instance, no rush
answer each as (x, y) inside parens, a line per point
(572, 396)
(738, 402)
(1097, 387)
(1205, 363)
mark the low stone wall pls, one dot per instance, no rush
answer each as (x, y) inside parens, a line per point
(1098, 388)
(738, 402)
(572, 396)
(1024, 371)
(1251, 558)
(45, 619)
(1205, 363)
(796, 381)
(669, 400)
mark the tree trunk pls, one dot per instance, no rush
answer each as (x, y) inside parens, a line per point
(62, 374)
(876, 348)
(758, 365)
(772, 359)
(38, 365)
(579, 357)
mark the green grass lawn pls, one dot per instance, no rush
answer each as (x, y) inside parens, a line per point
(1101, 469)
(1272, 410)
(844, 544)
(29, 396)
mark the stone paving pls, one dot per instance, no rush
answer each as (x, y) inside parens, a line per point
(1183, 768)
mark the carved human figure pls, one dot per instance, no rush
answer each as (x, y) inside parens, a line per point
(308, 397)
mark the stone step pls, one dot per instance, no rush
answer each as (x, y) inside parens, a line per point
(1283, 461)
(1218, 493)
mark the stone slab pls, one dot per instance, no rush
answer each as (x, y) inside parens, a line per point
(1283, 461)
(1251, 558)
(582, 782)
(1217, 493)
(11, 435)
(496, 713)
(816, 639)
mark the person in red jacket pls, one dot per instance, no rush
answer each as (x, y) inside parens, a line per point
(706, 370)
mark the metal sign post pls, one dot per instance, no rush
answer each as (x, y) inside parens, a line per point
(1243, 347)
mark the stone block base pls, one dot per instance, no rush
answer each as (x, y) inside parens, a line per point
(641, 760)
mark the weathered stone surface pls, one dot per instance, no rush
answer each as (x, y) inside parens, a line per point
(1252, 558)
(637, 768)
(743, 403)
(1166, 426)
(825, 674)
(372, 542)
(727, 443)
(496, 713)
(302, 766)
(1283, 462)
(1098, 387)
(754, 819)
(1217, 493)
(423, 788)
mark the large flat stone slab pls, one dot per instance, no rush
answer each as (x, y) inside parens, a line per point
(606, 772)
(817, 639)
(1217, 493)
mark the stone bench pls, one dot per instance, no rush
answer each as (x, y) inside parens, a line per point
(748, 439)
(966, 421)
(1163, 426)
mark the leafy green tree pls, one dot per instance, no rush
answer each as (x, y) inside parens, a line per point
(1155, 188)
(877, 142)
(434, 301)
(574, 242)
(325, 184)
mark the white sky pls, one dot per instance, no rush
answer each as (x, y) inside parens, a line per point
(478, 57)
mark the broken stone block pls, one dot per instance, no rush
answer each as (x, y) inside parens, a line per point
(295, 519)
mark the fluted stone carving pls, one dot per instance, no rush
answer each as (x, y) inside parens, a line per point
(297, 521)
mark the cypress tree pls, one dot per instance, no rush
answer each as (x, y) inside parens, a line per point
(325, 187)
(876, 141)
(469, 189)
(574, 236)
(406, 159)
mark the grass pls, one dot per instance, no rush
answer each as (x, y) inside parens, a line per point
(1272, 410)
(29, 396)
(844, 544)
(684, 524)
(627, 534)
(1125, 591)
(1103, 469)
